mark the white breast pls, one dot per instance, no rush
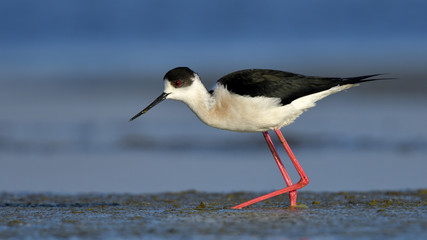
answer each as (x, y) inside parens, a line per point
(234, 112)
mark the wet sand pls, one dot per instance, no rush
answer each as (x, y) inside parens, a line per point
(196, 215)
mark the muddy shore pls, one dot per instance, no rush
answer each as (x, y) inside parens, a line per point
(195, 215)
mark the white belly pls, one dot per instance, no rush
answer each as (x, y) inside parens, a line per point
(256, 114)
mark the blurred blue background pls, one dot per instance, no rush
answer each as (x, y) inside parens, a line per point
(73, 72)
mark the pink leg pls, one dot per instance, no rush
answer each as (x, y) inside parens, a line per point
(303, 176)
(292, 194)
(291, 188)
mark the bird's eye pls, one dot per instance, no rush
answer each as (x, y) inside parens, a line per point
(177, 83)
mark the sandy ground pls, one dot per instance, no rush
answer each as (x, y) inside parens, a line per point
(196, 215)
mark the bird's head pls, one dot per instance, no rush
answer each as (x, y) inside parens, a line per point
(178, 86)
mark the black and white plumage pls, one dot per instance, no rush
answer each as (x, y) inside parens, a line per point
(279, 84)
(253, 100)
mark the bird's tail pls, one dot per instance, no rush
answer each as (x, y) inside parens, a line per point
(365, 78)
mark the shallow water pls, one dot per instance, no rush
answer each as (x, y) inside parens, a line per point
(196, 215)
(73, 73)
(80, 143)
(69, 87)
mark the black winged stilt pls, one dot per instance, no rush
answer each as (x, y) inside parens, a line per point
(255, 100)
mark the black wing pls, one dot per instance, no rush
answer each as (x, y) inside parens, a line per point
(279, 84)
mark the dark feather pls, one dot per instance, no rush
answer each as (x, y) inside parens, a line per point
(284, 85)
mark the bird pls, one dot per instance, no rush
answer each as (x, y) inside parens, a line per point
(255, 100)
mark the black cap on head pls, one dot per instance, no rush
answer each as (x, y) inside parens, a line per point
(179, 73)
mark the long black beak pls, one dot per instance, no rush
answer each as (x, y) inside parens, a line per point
(154, 103)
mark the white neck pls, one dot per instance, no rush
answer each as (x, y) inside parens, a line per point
(197, 98)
